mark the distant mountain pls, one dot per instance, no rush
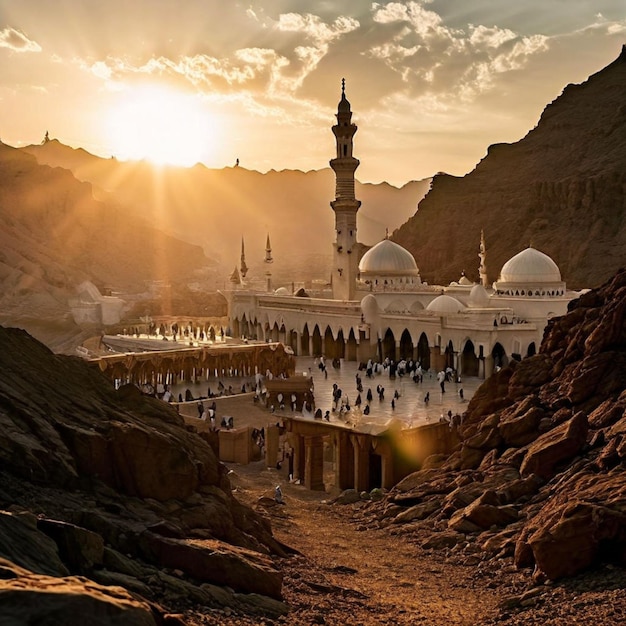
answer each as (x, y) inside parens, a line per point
(562, 188)
(54, 235)
(215, 208)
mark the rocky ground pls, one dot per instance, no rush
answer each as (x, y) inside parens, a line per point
(349, 572)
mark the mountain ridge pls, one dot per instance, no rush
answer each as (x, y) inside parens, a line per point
(561, 188)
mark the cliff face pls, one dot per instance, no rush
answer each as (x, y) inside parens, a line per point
(540, 473)
(562, 188)
(112, 486)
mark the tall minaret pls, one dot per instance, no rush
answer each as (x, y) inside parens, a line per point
(345, 205)
(482, 268)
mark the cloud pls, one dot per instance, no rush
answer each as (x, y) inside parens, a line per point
(17, 41)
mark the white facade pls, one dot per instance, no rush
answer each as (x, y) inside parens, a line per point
(381, 308)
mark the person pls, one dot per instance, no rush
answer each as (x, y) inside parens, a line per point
(366, 410)
(327, 416)
(461, 394)
(278, 495)
(393, 404)
(427, 398)
(293, 401)
(441, 379)
(369, 395)
(200, 409)
(318, 414)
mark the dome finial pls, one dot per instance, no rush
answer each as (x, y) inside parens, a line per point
(386, 233)
(343, 86)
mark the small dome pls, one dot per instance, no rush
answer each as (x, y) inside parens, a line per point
(369, 307)
(446, 305)
(464, 280)
(530, 266)
(282, 291)
(388, 258)
(478, 298)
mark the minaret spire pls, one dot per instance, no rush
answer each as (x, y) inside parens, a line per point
(345, 205)
(268, 250)
(482, 268)
(244, 267)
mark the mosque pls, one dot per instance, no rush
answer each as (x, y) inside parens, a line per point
(377, 306)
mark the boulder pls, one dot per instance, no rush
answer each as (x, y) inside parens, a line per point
(555, 447)
(26, 546)
(214, 562)
(521, 430)
(29, 598)
(575, 540)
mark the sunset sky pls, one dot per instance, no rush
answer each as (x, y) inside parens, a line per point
(432, 83)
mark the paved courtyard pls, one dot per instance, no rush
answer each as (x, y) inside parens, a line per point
(410, 407)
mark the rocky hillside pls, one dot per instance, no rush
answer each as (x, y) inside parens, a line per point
(215, 208)
(111, 510)
(540, 476)
(562, 188)
(55, 235)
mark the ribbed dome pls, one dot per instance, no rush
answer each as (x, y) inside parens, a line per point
(530, 266)
(388, 258)
(445, 304)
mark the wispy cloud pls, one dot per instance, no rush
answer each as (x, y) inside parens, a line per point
(17, 41)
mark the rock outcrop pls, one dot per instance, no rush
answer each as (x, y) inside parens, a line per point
(562, 187)
(540, 474)
(102, 489)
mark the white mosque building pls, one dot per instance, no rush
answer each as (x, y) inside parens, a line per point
(378, 306)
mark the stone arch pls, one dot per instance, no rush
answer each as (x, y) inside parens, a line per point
(406, 345)
(331, 347)
(318, 344)
(449, 355)
(351, 346)
(423, 351)
(304, 341)
(292, 340)
(469, 360)
(389, 345)
(500, 358)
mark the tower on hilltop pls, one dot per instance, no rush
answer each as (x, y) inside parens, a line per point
(345, 205)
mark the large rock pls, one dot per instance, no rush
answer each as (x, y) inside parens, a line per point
(555, 447)
(215, 562)
(29, 598)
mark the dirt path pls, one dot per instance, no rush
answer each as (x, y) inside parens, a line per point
(349, 574)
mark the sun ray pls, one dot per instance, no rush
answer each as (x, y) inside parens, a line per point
(161, 125)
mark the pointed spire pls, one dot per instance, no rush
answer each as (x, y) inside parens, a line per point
(244, 267)
(268, 250)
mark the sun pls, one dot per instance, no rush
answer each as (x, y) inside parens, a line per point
(161, 125)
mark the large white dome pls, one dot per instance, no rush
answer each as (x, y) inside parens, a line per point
(388, 259)
(530, 266)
